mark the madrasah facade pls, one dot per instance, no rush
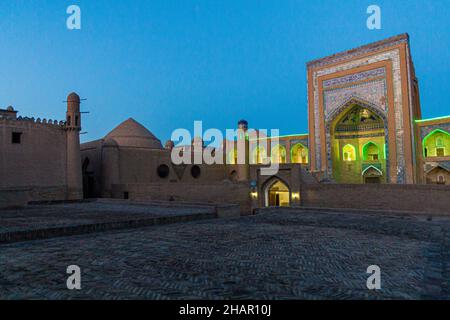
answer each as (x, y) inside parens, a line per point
(366, 134)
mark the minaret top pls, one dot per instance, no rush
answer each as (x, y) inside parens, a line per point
(73, 102)
(73, 97)
(243, 125)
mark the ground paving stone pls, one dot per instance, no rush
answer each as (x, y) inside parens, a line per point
(279, 254)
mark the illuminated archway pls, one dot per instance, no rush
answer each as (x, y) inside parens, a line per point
(259, 155)
(277, 193)
(349, 153)
(278, 154)
(357, 133)
(371, 152)
(299, 153)
(232, 157)
(436, 144)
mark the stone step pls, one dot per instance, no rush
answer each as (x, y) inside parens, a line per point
(53, 232)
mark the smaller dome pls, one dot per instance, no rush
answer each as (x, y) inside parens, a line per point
(10, 108)
(73, 97)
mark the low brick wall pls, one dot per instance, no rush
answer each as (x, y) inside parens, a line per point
(14, 198)
(216, 193)
(414, 198)
(20, 197)
(228, 211)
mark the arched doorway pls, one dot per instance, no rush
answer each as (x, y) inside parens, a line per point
(372, 175)
(277, 194)
(88, 180)
(438, 175)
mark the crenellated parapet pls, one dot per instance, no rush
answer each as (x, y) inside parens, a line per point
(31, 121)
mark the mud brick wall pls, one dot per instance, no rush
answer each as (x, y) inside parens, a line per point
(416, 198)
(226, 192)
(19, 197)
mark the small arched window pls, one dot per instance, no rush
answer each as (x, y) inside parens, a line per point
(299, 153)
(278, 154)
(349, 153)
(232, 157)
(259, 155)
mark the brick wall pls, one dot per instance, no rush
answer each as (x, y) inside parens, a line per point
(40, 158)
(19, 197)
(418, 198)
(226, 192)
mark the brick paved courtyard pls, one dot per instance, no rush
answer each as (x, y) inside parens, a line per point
(279, 254)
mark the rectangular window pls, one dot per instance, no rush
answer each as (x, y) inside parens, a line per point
(439, 152)
(16, 137)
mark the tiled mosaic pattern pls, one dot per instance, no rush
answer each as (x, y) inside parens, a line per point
(372, 91)
(425, 130)
(352, 78)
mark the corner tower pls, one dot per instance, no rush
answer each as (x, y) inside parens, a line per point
(73, 128)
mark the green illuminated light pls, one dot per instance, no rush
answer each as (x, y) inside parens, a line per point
(284, 136)
(432, 119)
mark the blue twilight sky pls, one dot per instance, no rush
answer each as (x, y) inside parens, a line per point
(167, 63)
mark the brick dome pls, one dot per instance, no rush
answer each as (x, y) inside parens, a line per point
(131, 133)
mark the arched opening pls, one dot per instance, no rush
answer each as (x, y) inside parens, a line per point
(357, 139)
(277, 194)
(278, 154)
(88, 180)
(349, 153)
(299, 153)
(436, 144)
(232, 157)
(371, 152)
(372, 175)
(438, 175)
(259, 155)
(233, 176)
